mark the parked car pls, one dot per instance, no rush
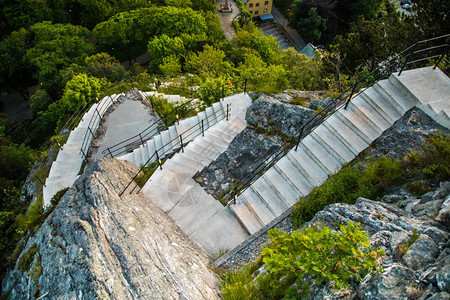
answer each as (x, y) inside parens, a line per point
(405, 4)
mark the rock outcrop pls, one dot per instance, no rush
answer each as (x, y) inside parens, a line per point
(97, 245)
(417, 246)
(269, 114)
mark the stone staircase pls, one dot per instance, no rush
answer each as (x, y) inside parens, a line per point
(340, 139)
(188, 128)
(199, 215)
(64, 170)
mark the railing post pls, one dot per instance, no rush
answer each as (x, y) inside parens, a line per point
(351, 95)
(142, 141)
(299, 138)
(223, 92)
(159, 160)
(203, 129)
(442, 57)
(98, 113)
(181, 142)
(228, 110)
(110, 154)
(93, 135)
(407, 59)
(84, 154)
(37, 177)
(245, 86)
(235, 198)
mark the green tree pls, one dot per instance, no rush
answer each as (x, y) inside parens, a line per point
(55, 47)
(40, 101)
(102, 65)
(15, 72)
(262, 77)
(210, 61)
(165, 46)
(205, 5)
(81, 89)
(369, 9)
(179, 3)
(170, 66)
(432, 18)
(311, 26)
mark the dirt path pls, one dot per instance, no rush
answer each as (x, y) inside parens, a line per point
(227, 18)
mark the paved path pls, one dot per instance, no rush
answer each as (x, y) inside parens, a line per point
(128, 119)
(298, 40)
(227, 18)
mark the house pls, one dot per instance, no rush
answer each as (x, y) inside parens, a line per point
(258, 8)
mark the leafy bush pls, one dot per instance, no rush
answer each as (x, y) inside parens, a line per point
(312, 253)
(323, 254)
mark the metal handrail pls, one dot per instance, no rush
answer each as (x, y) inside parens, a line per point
(239, 186)
(192, 132)
(96, 116)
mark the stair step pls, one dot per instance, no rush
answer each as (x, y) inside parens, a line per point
(361, 121)
(246, 216)
(167, 143)
(272, 199)
(294, 174)
(284, 186)
(365, 109)
(310, 168)
(258, 206)
(380, 105)
(363, 130)
(333, 144)
(386, 88)
(320, 155)
(353, 141)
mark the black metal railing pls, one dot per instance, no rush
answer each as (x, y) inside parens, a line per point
(176, 144)
(433, 51)
(94, 122)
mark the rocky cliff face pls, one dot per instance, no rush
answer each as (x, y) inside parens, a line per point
(416, 242)
(99, 245)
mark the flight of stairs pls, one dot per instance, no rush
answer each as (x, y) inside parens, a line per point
(198, 214)
(169, 138)
(64, 170)
(340, 139)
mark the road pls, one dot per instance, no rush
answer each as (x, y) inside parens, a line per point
(227, 18)
(298, 40)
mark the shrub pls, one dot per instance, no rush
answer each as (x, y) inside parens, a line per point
(322, 254)
(418, 187)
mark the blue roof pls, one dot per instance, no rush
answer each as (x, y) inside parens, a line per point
(266, 17)
(308, 50)
(245, 1)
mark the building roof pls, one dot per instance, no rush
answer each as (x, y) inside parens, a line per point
(308, 50)
(245, 1)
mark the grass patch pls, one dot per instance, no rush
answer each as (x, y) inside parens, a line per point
(418, 187)
(27, 258)
(404, 247)
(147, 172)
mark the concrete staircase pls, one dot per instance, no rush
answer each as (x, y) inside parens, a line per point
(340, 139)
(64, 170)
(188, 128)
(197, 213)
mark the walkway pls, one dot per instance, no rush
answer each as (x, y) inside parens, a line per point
(227, 18)
(129, 119)
(298, 40)
(198, 214)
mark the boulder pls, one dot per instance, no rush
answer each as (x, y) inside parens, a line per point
(421, 253)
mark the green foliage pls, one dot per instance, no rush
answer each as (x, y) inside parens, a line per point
(211, 90)
(323, 254)
(210, 62)
(36, 271)
(418, 187)
(170, 66)
(404, 247)
(27, 258)
(80, 90)
(40, 101)
(102, 65)
(313, 253)
(55, 199)
(55, 47)
(161, 106)
(349, 184)
(163, 47)
(310, 25)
